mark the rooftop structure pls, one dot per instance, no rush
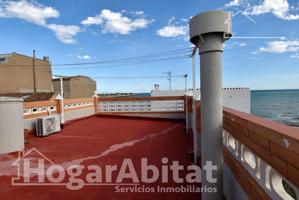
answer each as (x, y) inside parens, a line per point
(75, 86)
(23, 74)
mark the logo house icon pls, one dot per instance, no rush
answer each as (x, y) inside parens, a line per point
(31, 168)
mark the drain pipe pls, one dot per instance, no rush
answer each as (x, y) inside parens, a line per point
(196, 135)
(208, 31)
(187, 111)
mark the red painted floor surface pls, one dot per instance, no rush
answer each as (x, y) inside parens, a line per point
(105, 141)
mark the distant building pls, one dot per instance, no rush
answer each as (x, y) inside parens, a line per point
(236, 98)
(16, 74)
(75, 86)
(158, 92)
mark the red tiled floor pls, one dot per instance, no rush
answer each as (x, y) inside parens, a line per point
(92, 140)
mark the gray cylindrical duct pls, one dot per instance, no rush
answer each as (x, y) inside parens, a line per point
(11, 125)
(208, 31)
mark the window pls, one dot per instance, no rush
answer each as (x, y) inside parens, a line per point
(2, 59)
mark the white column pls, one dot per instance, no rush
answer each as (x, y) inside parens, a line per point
(208, 31)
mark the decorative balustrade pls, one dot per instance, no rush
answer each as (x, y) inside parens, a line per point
(113, 105)
(262, 154)
(267, 150)
(35, 109)
(43, 108)
(74, 104)
(121, 105)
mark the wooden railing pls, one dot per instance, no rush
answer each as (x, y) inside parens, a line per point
(263, 155)
(268, 151)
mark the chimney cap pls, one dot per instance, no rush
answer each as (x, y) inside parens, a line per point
(210, 22)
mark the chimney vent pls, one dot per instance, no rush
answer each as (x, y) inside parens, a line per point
(46, 58)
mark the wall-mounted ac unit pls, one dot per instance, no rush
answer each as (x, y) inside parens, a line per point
(47, 125)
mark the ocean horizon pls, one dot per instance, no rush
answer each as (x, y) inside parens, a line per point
(277, 105)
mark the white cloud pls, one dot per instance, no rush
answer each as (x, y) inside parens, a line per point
(171, 20)
(280, 8)
(92, 21)
(232, 3)
(295, 56)
(115, 22)
(140, 12)
(234, 44)
(281, 46)
(243, 44)
(85, 57)
(31, 12)
(65, 33)
(38, 14)
(172, 31)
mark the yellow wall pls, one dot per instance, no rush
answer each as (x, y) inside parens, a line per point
(16, 74)
(76, 87)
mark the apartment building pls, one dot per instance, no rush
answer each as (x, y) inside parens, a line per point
(17, 73)
(75, 86)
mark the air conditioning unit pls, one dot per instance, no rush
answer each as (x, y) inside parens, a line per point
(47, 125)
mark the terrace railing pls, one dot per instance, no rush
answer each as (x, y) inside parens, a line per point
(44, 108)
(75, 104)
(262, 155)
(141, 105)
(40, 108)
(110, 105)
(157, 107)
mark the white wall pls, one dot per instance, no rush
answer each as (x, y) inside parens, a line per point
(70, 115)
(161, 116)
(236, 98)
(80, 113)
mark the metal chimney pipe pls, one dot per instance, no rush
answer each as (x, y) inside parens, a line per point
(208, 31)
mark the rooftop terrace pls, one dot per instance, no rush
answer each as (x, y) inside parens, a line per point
(103, 141)
(251, 157)
(260, 157)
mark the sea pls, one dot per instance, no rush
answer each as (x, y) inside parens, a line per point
(278, 105)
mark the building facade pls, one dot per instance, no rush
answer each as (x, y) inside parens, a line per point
(17, 74)
(75, 87)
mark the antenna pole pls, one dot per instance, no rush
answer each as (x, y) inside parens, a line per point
(33, 71)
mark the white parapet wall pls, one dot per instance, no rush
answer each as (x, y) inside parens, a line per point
(235, 98)
(80, 113)
(73, 109)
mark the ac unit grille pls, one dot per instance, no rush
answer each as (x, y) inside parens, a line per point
(39, 127)
(47, 125)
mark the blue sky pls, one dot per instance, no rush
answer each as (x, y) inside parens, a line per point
(263, 55)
